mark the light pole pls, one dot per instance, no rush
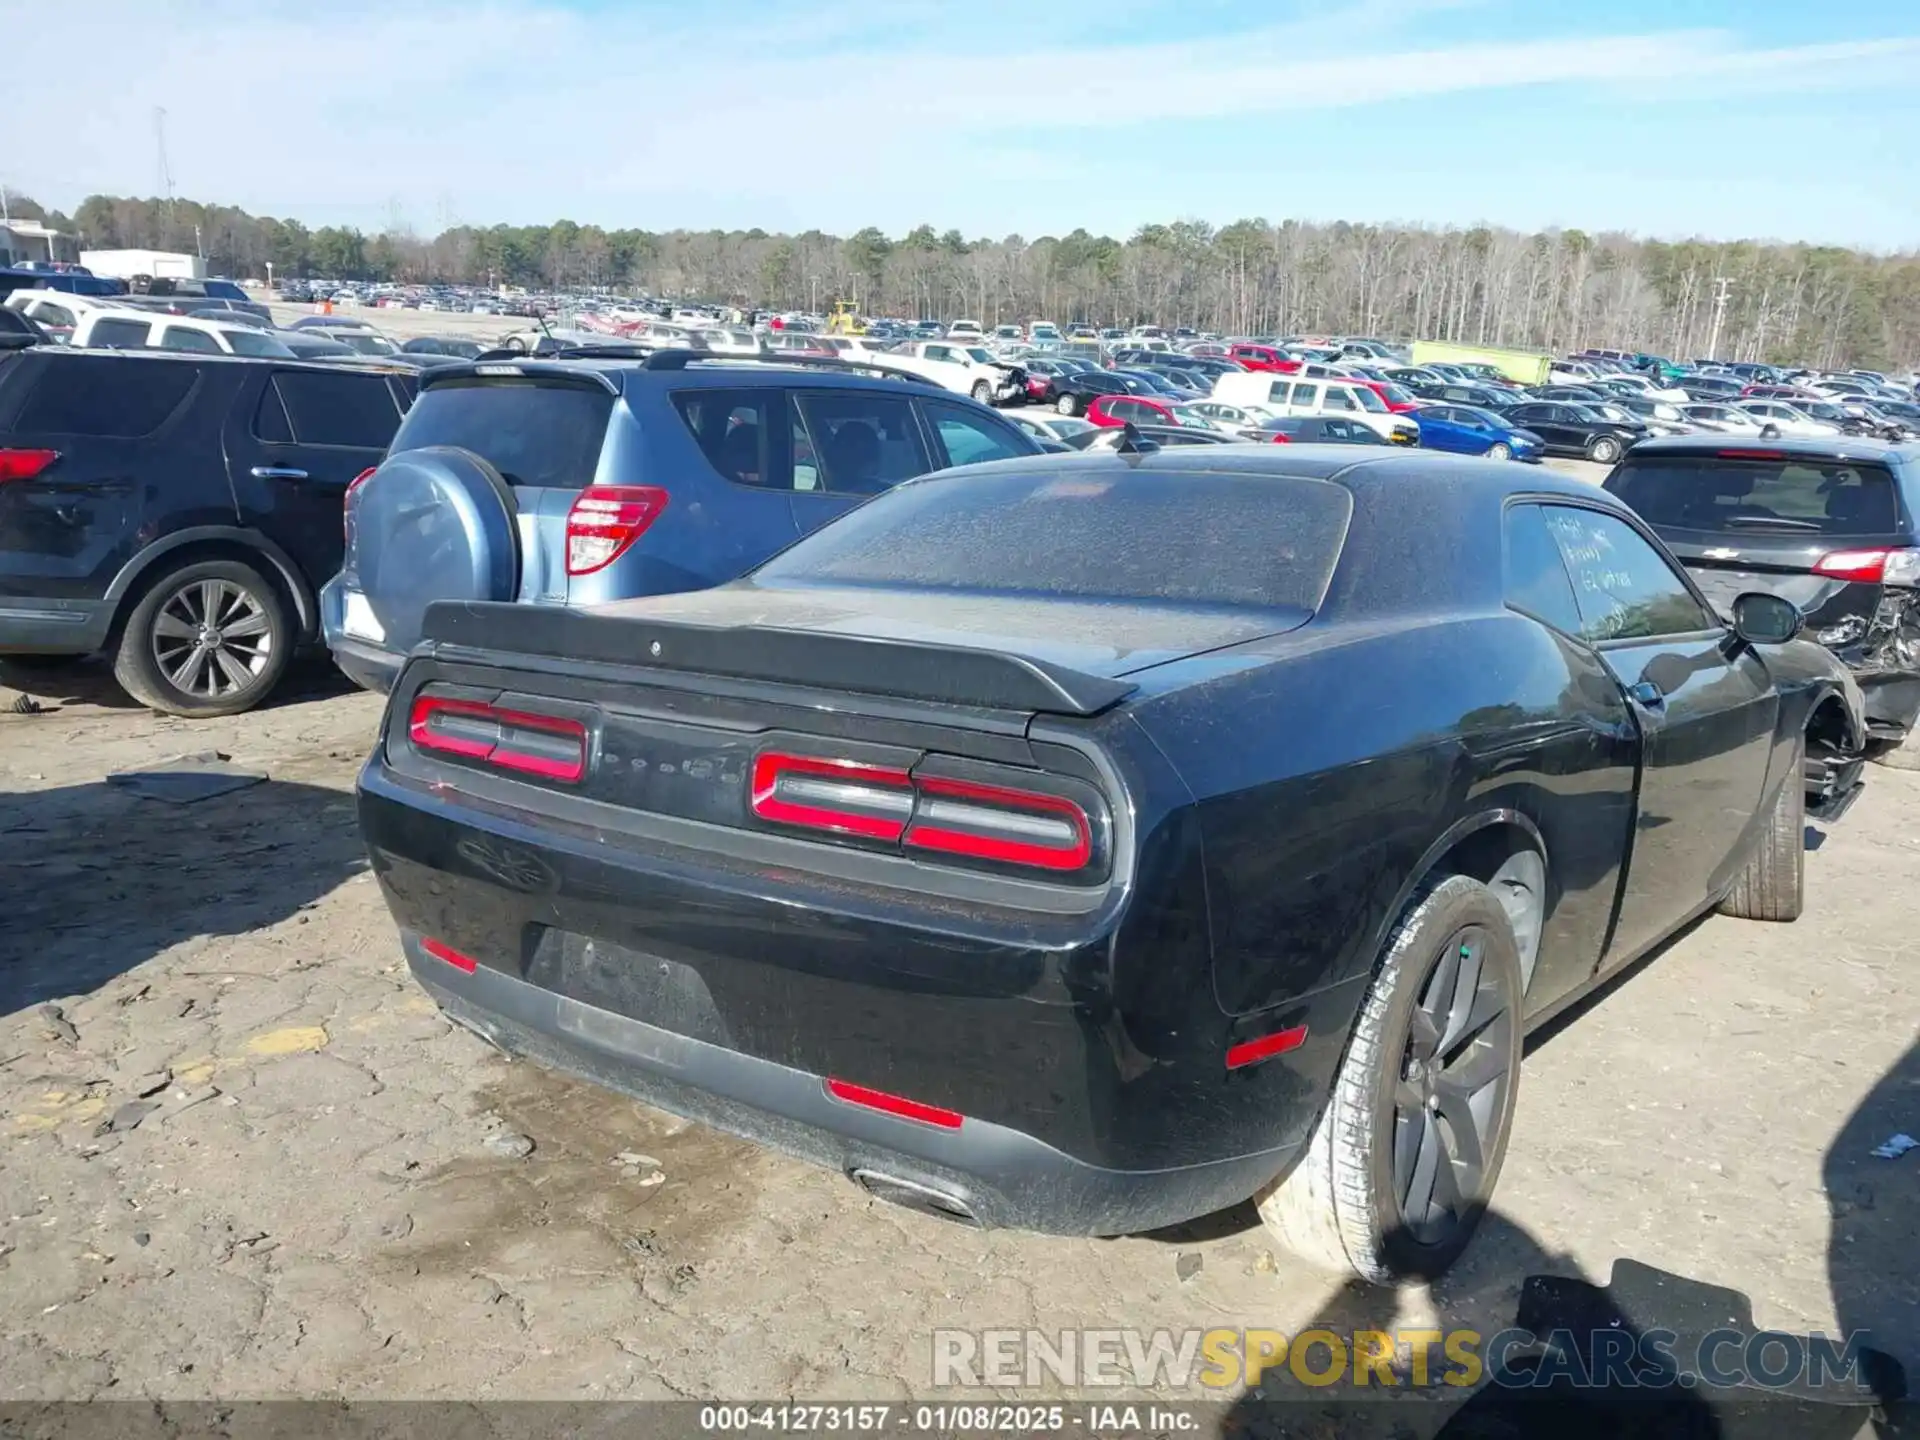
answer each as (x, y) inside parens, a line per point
(1721, 285)
(269, 277)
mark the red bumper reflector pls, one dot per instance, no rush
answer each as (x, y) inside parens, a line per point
(439, 950)
(895, 1105)
(1252, 1052)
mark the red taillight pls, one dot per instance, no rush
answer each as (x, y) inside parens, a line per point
(605, 520)
(25, 464)
(1890, 567)
(848, 798)
(895, 1105)
(1280, 439)
(440, 950)
(1251, 1052)
(991, 822)
(346, 510)
(549, 746)
(1753, 454)
(1003, 824)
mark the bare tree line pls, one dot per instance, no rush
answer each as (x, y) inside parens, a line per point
(1555, 290)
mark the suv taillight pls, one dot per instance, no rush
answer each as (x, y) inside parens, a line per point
(25, 464)
(605, 520)
(1885, 567)
(549, 746)
(1007, 824)
(351, 498)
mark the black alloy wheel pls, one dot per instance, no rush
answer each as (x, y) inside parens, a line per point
(1450, 1101)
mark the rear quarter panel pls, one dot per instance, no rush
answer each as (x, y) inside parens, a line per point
(1328, 767)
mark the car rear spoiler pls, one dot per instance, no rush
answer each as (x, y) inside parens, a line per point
(867, 665)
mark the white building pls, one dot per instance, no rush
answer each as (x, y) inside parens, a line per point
(24, 240)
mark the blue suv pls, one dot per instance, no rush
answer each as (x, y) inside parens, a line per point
(580, 480)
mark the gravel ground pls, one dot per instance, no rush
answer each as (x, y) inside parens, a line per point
(241, 1155)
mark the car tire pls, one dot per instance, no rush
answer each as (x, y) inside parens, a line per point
(983, 392)
(155, 660)
(1499, 450)
(1604, 450)
(1343, 1205)
(1068, 405)
(1773, 884)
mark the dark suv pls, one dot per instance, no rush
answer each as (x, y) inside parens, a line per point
(585, 480)
(179, 512)
(1831, 523)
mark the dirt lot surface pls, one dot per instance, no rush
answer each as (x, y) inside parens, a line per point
(242, 1155)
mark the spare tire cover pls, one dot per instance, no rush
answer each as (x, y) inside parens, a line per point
(431, 524)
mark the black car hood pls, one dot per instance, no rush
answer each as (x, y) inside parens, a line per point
(1110, 639)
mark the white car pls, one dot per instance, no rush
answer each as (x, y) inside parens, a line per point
(965, 330)
(1571, 372)
(1043, 332)
(1728, 420)
(1788, 419)
(1293, 395)
(1643, 387)
(1044, 426)
(963, 369)
(57, 312)
(143, 330)
(1234, 418)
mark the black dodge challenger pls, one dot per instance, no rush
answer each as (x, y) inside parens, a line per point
(1089, 842)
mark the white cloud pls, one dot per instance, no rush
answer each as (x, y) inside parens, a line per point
(775, 114)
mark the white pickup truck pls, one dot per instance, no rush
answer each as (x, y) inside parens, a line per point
(965, 369)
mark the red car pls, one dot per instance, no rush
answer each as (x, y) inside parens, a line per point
(1264, 357)
(1125, 409)
(1396, 399)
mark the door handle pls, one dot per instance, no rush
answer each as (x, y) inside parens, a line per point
(1648, 695)
(277, 472)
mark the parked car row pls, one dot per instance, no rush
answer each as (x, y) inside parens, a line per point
(578, 481)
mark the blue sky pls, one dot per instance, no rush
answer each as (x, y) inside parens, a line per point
(1764, 119)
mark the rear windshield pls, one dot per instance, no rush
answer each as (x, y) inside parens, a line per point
(1187, 538)
(1793, 495)
(533, 433)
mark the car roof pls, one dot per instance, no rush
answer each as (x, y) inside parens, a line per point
(719, 372)
(154, 356)
(1360, 470)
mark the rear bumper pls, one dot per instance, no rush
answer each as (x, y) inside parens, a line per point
(370, 666)
(53, 627)
(988, 1174)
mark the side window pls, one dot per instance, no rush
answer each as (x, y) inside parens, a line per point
(1337, 429)
(741, 434)
(48, 313)
(970, 438)
(1339, 399)
(196, 342)
(127, 399)
(1306, 396)
(109, 334)
(347, 410)
(1625, 588)
(270, 422)
(940, 352)
(862, 442)
(1537, 583)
